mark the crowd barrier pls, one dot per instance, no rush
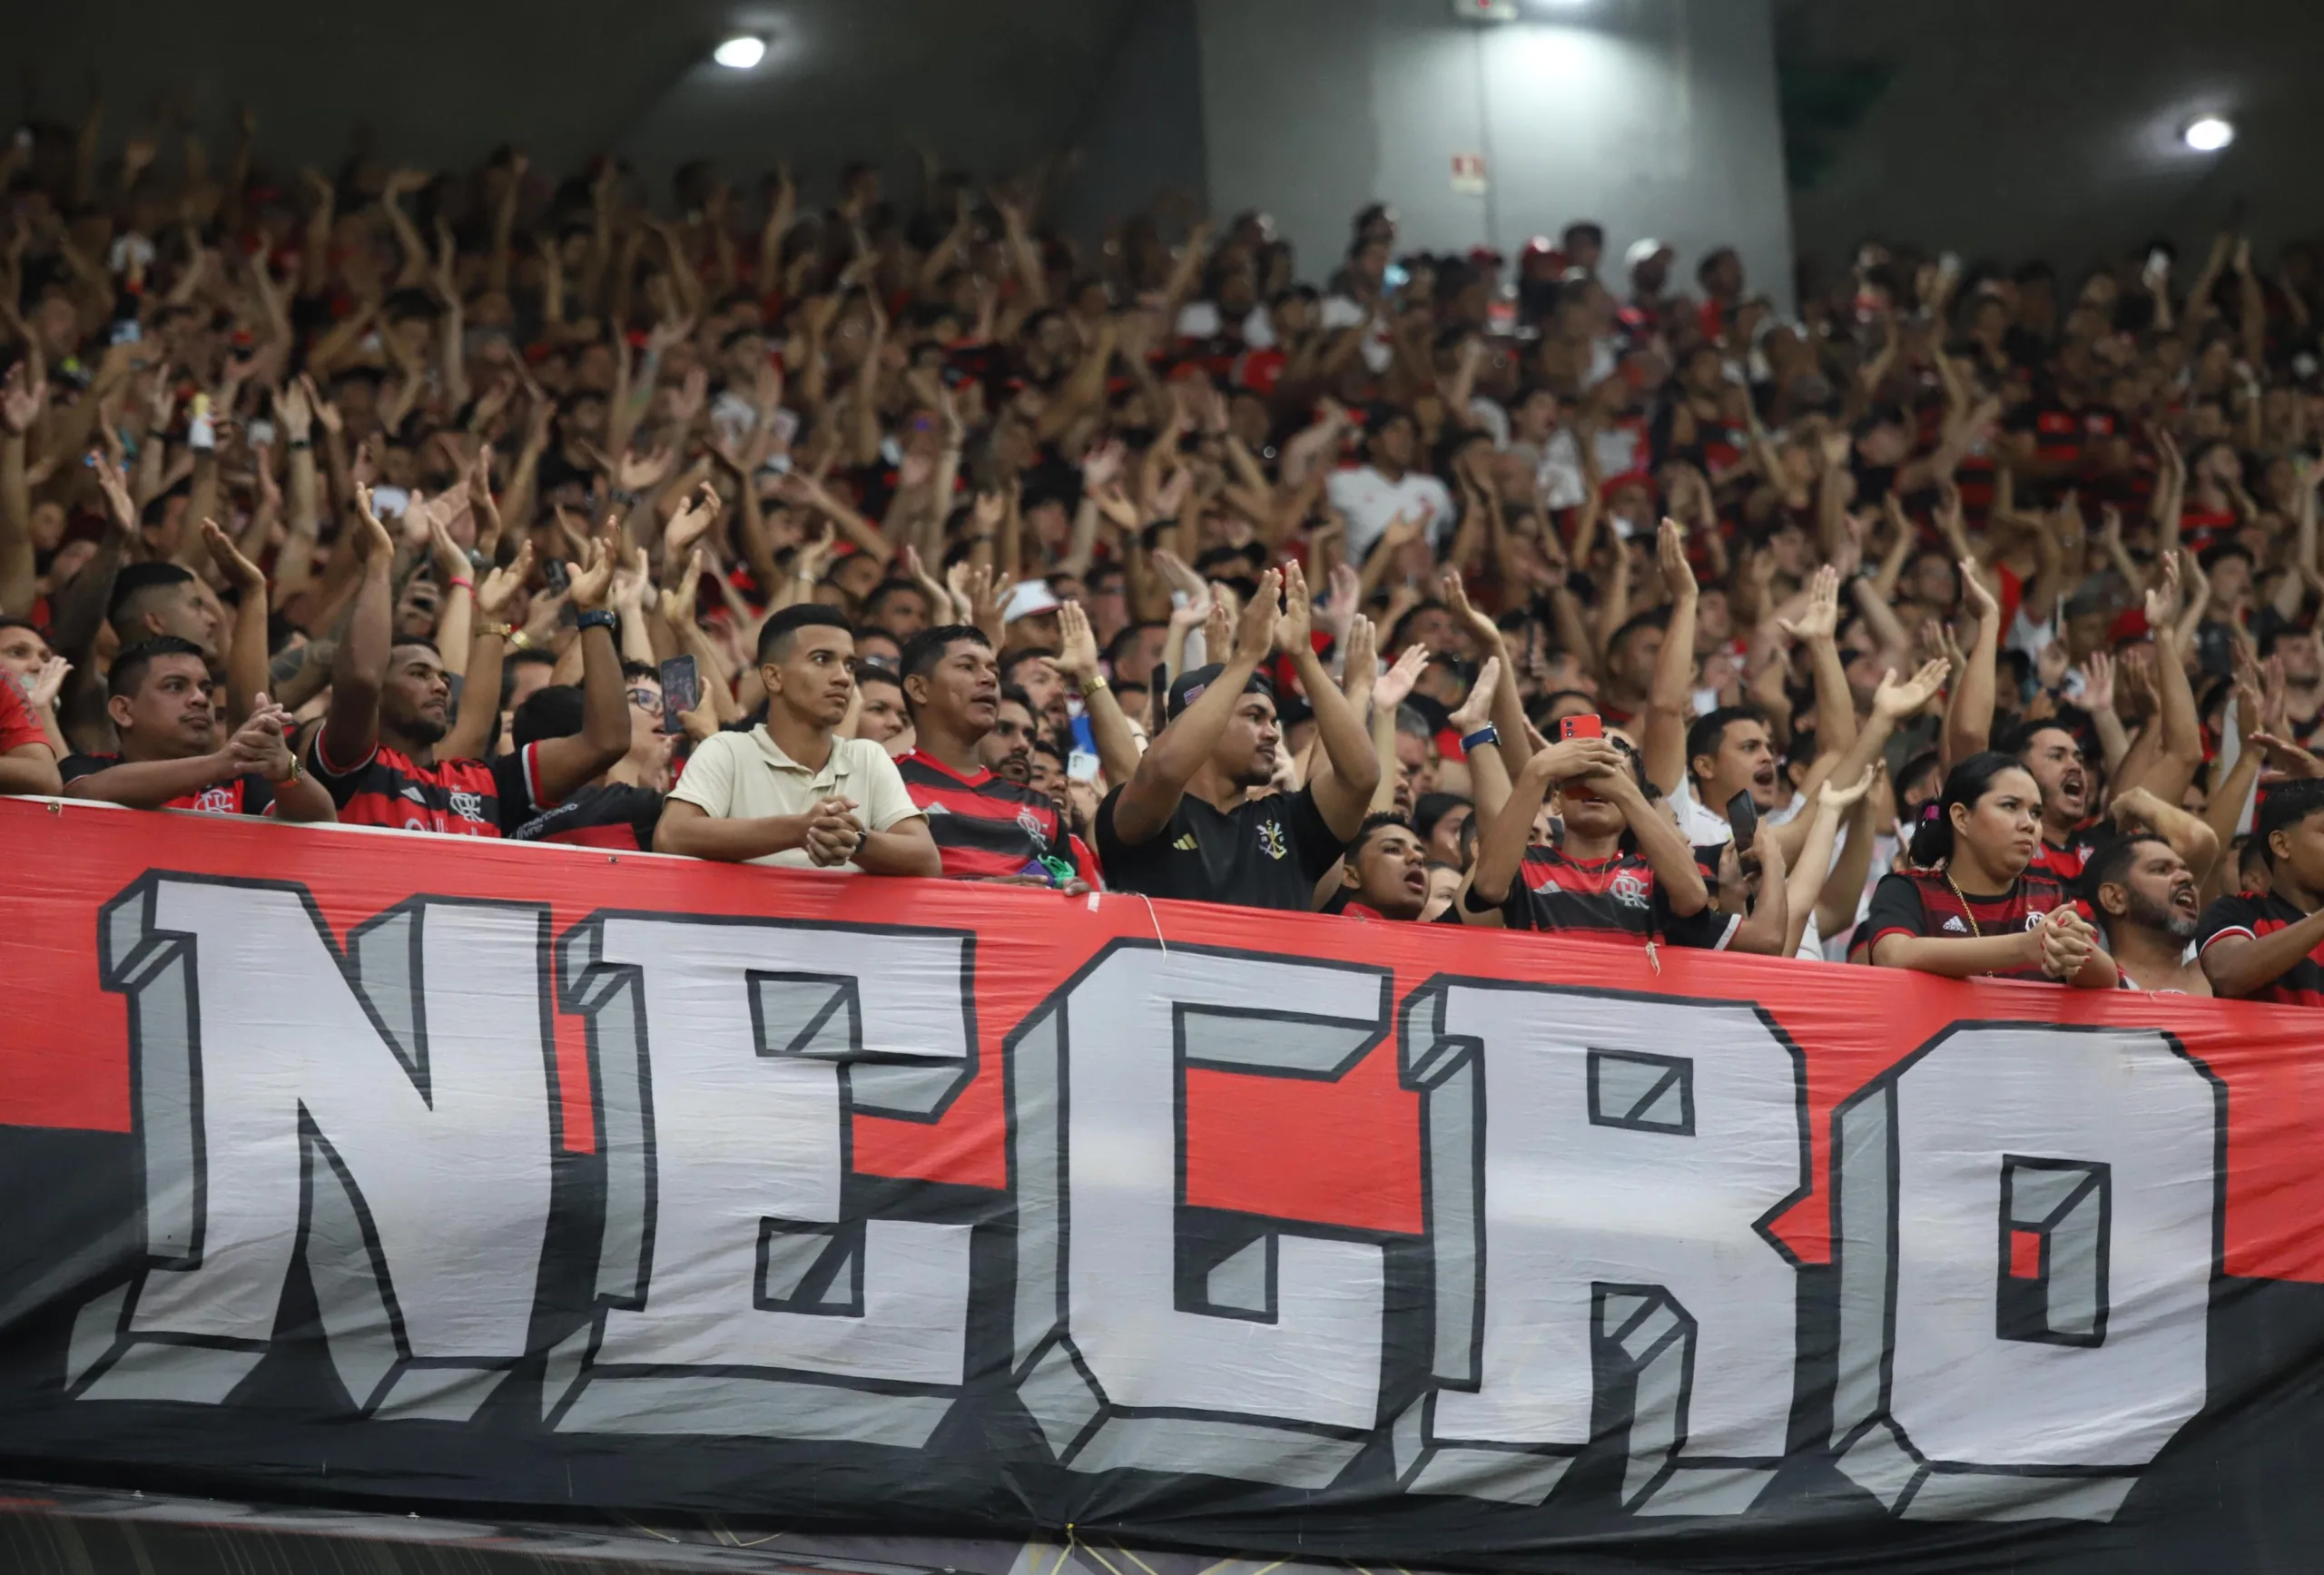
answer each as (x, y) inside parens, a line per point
(363, 1166)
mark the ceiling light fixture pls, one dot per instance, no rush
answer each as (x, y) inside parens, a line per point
(2209, 134)
(740, 52)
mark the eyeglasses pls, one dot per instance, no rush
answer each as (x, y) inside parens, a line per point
(646, 700)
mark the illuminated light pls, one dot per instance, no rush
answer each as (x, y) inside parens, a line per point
(740, 54)
(2209, 134)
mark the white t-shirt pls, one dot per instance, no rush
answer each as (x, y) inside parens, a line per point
(1371, 502)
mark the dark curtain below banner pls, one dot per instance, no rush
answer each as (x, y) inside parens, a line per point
(528, 1186)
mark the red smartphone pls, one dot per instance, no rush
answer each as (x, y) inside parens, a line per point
(1587, 725)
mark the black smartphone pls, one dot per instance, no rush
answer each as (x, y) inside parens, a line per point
(681, 691)
(558, 577)
(1743, 820)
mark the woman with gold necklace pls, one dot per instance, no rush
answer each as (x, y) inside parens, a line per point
(1971, 907)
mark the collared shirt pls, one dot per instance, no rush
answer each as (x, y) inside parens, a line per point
(746, 776)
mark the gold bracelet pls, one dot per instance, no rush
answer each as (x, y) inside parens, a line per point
(1096, 685)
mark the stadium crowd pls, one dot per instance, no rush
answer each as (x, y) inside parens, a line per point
(1962, 620)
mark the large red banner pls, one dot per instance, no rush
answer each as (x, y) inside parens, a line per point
(1345, 1153)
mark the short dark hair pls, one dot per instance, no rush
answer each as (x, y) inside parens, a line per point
(889, 588)
(129, 668)
(1011, 694)
(1709, 731)
(878, 672)
(2112, 863)
(1648, 620)
(1376, 823)
(775, 638)
(2285, 808)
(635, 670)
(553, 711)
(924, 650)
(1016, 659)
(1431, 808)
(138, 584)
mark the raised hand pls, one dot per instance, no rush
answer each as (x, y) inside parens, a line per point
(1671, 557)
(21, 399)
(2097, 682)
(1255, 628)
(499, 591)
(1360, 662)
(1574, 758)
(1476, 710)
(1396, 684)
(1973, 586)
(592, 578)
(1841, 798)
(1295, 630)
(1895, 701)
(370, 539)
(1077, 655)
(1821, 620)
(688, 526)
(240, 573)
(2162, 598)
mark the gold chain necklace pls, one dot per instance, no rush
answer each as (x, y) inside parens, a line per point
(1974, 932)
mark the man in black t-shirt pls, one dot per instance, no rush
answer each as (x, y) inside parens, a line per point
(1186, 824)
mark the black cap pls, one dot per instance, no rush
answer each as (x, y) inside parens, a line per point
(1188, 687)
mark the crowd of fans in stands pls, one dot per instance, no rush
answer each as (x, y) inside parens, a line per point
(1963, 622)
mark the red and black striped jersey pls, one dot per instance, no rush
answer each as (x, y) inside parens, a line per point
(987, 828)
(1923, 903)
(2064, 864)
(2253, 916)
(249, 795)
(610, 815)
(459, 798)
(1613, 898)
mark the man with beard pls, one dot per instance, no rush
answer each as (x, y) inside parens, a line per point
(171, 754)
(1384, 875)
(790, 791)
(2145, 898)
(1007, 750)
(390, 751)
(987, 827)
(1187, 825)
(2054, 756)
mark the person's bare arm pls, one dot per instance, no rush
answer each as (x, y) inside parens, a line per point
(2240, 965)
(1505, 836)
(21, 403)
(246, 651)
(2189, 835)
(350, 729)
(1076, 659)
(1345, 796)
(1969, 724)
(1768, 929)
(1669, 702)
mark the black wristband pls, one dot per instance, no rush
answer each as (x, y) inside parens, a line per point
(598, 619)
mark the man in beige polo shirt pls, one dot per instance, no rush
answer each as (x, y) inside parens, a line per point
(787, 791)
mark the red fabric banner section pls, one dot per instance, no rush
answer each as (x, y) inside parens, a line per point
(1345, 1153)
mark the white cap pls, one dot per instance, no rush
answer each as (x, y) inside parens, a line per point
(1030, 599)
(1641, 249)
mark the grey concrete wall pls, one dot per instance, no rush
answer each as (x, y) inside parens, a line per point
(1657, 117)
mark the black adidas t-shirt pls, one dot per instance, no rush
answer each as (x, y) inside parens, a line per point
(1268, 852)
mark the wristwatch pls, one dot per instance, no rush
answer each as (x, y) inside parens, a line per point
(1096, 685)
(497, 631)
(1483, 735)
(599, 618)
